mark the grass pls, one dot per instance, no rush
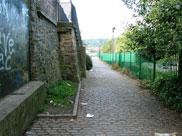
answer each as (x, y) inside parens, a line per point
(61, 94)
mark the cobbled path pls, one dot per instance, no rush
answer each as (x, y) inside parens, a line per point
(120, 108)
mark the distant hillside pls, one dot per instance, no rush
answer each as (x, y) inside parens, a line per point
(94, 42)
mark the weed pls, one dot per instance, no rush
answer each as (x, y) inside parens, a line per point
(145, 84)
(116, 66)
(61, 95)
(125, 71)
(42, 108)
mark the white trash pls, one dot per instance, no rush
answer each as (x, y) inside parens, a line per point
(90, 115)
(166, 134)
(51, 101)
(84, 104)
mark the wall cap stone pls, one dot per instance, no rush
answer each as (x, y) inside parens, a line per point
(12, 101)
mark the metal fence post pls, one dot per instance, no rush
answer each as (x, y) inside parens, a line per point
(140, 68)
(130, 61)
(124, 59)
(154, 69)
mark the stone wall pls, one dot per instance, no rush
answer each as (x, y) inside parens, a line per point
(72, 53)
(55, 52)
(68, 51)
(17, 110)
(45, 65)
(69, 24)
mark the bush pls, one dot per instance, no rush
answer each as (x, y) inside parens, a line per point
(126, 71)
(116, 66)
(145, 84)
(89, 64)
(169, 90)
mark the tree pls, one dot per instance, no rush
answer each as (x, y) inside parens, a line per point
(120, 45)
(107, 47)
(166, 17)
(160, 31)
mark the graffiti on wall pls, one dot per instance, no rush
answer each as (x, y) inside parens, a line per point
(14, 43)
(8, 50)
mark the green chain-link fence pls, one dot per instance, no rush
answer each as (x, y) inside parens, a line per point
(138, 67)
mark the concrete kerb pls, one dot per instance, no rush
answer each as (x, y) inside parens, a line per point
(69, 116)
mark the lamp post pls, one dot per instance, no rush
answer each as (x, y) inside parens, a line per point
(113, 45)
(100, 44)
(99, 51)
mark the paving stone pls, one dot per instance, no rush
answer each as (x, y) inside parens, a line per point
(120, 108)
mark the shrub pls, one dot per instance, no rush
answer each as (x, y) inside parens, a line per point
(126, 71)
(168, 88)
(116, 66)
(89, 64)
(145, 84)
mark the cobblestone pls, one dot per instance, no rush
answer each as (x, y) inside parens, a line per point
(120, 108)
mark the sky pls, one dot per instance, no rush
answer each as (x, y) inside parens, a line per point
(97, 17)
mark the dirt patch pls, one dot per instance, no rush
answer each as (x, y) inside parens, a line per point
(62, 109)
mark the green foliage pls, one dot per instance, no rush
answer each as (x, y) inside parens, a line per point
(143, 42)
(42, 108)
(159, 33)
(145, 84)
(121, 44)
(169, 90)
(107, 47)
(61, 94)
(89, 64)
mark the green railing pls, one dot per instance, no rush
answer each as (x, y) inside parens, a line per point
(139, 67)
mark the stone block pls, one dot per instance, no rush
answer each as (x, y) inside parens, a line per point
(19, 109)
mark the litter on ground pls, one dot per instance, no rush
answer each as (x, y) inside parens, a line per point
(71, 101)
(166, 134)
(90, 115)
(84, 104)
